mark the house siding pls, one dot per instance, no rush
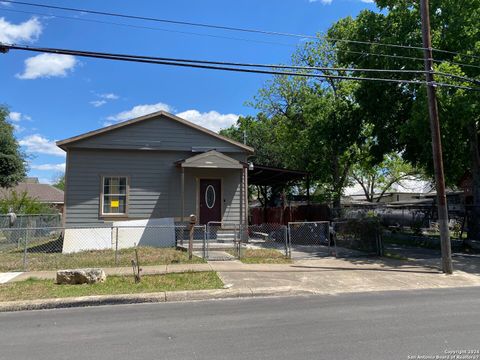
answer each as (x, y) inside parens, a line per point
(154, 184)
(159, 133)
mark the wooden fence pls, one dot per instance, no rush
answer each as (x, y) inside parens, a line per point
(280, 215)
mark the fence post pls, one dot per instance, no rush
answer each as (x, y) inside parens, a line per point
(116, 244)
(241, 236)
(204, 241)
(25, 251)
(288, 241)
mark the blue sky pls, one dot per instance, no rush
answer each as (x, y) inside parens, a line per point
(52, 97)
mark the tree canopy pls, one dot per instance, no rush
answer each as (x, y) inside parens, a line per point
(12, 160)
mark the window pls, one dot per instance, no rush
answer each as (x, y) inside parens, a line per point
(114, 200)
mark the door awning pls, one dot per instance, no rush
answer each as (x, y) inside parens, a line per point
(210, 160)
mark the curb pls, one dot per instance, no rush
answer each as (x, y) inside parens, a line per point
(164, 296)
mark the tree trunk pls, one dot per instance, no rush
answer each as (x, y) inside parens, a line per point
(473, 211)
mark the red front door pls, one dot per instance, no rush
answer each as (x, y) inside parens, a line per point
(210, 200)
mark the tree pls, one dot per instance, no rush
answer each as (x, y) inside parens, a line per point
(399, 113)
(376, 180)
(22, 203)
(59, 182)
(261, 133)
(12, 160)
(318, 123)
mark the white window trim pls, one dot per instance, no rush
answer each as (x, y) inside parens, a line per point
(102, 195)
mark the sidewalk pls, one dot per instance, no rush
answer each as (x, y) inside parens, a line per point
(332, 276)
(326, 275)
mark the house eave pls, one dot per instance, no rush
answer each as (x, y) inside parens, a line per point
(63, 144)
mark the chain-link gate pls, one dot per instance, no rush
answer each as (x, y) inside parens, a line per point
(223, 241)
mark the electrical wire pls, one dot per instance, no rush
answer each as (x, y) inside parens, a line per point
(145, 27)
(229, 28)
(174, 62)
(363, 53)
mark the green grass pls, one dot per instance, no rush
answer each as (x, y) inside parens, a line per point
(263, 256)
(13, 260)
(46, 289)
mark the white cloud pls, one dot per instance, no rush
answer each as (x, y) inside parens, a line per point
(37, 144)
(27, 31)
(15, 116)
(18, 116)
(137, 111)
(325, 2)
(368, 1)
(109, 96)
(98, 103)
(103, 99)
(49, 167)
(47, 65)
(211, 120)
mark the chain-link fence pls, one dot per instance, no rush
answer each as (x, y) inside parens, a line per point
(51, 248)
(227, 241)
(23, 249)
(31, 221)
(309, 239)
(357, 238)
(271, 238)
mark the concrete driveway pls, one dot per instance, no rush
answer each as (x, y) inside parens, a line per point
(330, 275)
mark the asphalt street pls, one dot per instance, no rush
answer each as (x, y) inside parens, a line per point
(388, 325)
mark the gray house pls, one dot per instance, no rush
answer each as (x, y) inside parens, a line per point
(154, 166)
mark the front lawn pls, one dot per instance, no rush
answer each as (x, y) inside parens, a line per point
(263, 256)
(12, 260)
(46, 289)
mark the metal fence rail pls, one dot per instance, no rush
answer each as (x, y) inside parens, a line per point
(32, 221)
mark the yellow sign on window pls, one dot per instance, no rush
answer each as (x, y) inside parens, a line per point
(114, 204)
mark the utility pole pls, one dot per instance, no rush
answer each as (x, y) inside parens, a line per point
(436, 142)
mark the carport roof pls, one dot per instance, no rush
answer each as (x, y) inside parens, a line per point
(267, 175)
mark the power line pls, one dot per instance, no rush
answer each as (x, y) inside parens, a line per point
(256, 65)
(271, 66)
(229, 28)
(174, 62)
(407, 58)
(146, 27)
(363, 53)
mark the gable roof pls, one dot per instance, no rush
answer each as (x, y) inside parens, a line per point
(63, 144)
(211, 159)
(44, 193)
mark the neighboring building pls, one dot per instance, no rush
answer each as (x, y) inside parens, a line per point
(43, 193)
(154, 166)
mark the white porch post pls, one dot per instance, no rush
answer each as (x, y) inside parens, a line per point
(183, 193)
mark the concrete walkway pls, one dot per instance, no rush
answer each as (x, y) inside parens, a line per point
(326, 275)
